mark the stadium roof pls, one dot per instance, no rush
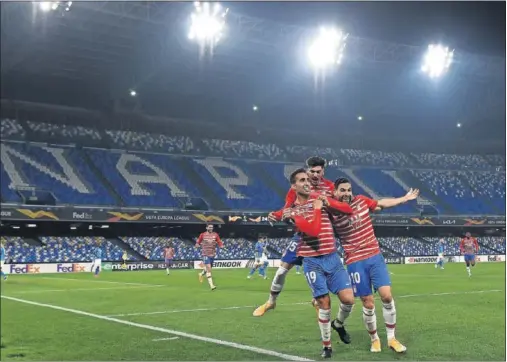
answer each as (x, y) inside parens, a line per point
(98, 51)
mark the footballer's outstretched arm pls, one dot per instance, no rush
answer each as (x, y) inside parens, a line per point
(335, 205)
(412, 194)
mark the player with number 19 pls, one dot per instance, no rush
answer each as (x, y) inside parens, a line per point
(365, 262)
(318, 183)
(322, 266)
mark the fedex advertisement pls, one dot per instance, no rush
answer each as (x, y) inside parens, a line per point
(48, 268)
(24, 269)
(71, 268)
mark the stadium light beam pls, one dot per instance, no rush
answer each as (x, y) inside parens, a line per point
(437, 60)
(207, 22)
(327, 48)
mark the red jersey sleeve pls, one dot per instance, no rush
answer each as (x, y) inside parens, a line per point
(290, 198)
(462, 245)
(219, 241)
(372, 204)
(336, 205)
(311, 228)
(476, 245)
(199, 239)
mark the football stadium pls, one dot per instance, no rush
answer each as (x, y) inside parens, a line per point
(252, 181)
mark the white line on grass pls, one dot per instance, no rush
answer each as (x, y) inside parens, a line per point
(165, 339)
(82, 289)
(99, 281)
(298, 303)
(244, 347)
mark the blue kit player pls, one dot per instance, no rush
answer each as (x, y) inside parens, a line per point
(2, 262)
(97, 261)
(440, 254)
(261, 261)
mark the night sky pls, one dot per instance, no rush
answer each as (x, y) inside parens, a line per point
(477, 27)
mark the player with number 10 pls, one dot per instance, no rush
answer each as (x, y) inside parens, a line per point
(365, 263)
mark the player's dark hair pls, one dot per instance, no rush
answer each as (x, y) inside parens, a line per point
(294, 173)
(339, 181)
(316, 161)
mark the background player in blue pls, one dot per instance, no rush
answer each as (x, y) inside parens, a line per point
(440, 254)
(97, 262)
(258, 252)
(2, 261)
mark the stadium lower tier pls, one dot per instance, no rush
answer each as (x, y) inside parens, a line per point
(70, 175)
(75, 249)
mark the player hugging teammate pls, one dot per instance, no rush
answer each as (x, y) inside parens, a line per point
(365, 263)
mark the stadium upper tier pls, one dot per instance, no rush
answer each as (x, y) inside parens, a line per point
(163, 171)
(63, 249)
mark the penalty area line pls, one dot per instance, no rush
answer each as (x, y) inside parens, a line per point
(243, 347)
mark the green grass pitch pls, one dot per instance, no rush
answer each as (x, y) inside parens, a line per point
(442, 315)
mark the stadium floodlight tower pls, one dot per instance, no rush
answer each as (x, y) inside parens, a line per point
(327, 48)
(437, 60)
(207, 23)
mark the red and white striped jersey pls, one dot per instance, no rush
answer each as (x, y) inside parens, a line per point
(325, 187)
(469, 245)
(325, 243)
(208, 242)
(356, 230)
(169, 253)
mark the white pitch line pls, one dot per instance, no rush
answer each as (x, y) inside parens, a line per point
(298, 303)
(165, 339)
(197, 310)
(100, 281)
(449, 293)
(83, 289)
(243, 347)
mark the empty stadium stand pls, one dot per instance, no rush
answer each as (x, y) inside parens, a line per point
(66, 249)
(163, 171)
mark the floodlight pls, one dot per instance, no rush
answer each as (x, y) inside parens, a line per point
(327, 48)
(255, 108)
(360, 118)
(47, 6)
(208, 22)
(458, 125)
(133, 93)
(437, 60)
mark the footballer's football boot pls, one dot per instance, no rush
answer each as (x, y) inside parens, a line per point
(396, 346)
(327, 352)
(342, 332)
(375, 346)
(261, 310)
